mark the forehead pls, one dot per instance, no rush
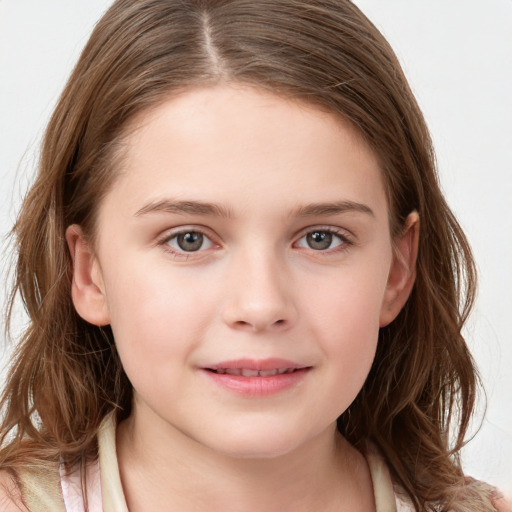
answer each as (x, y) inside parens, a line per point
(240, 145)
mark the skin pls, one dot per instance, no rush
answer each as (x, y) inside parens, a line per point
(256, 288)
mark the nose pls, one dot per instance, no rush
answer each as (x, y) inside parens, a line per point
(259, 295)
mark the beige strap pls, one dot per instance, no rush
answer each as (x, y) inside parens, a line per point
(382, 484)
(112, 489)
(41, 490)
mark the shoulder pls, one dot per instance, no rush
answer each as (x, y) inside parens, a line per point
(10, 493)
(474, 496)
(31, 490)
(502, 504)
(480, 495)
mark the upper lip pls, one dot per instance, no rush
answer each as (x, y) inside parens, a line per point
(257, 365)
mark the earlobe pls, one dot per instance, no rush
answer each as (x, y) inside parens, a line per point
(87, 288)
(402, 273)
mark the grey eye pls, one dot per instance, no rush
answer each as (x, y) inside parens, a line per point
(190, 241)
(321, 240)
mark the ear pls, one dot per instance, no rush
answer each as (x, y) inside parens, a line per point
(402, 272)
(87, 288)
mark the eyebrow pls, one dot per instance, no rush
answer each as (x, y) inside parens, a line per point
(216, 210)
(334, 208)
(184, 207)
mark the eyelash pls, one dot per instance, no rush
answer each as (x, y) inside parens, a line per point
(345, 241)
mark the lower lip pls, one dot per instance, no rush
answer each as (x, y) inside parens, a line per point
(258, 386)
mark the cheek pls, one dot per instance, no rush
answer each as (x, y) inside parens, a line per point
(153, 316)
(344, 314)
(349, 302)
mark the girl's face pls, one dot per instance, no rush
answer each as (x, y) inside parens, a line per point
(244, 261)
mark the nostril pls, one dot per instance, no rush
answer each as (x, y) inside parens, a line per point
(280, 323)
(242, 323)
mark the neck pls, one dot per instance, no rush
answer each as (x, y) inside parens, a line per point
(162, 468)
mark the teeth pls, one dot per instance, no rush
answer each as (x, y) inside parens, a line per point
(249, 373)
(266, 373)
(245, 372)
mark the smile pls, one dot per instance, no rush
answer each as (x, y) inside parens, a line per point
(246, 372)
(257, 378)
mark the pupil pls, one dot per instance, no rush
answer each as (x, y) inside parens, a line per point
(319, 240)
(190, 241)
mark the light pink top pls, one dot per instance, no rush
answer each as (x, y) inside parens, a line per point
(105, 491)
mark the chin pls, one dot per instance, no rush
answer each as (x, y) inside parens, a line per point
(258, 443)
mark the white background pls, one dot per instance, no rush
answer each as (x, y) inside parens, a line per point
(458, 57)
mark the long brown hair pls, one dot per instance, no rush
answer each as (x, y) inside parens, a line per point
(418, 398)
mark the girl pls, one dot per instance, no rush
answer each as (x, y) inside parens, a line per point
(245, 288)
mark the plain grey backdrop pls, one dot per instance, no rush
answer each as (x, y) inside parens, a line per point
(457, 55)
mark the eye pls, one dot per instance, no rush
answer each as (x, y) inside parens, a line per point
(189, 241)
(322, 240)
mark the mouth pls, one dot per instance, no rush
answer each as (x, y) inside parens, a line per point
(256, 367)
(247, 372)
(253, 378)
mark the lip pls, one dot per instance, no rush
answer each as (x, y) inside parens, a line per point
(290, 374)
